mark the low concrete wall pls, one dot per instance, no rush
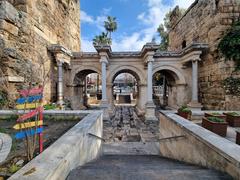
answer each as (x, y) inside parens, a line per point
(73, 149)
(198, 146)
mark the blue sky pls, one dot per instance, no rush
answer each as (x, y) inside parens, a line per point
(137, 20)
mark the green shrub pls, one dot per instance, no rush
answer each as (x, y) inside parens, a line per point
(3, 99)
(230, 44)
(215, 119)
(14, 168)
(233, 114)
(50, 106)
(232, 86)
(185, 109)
(216, 114)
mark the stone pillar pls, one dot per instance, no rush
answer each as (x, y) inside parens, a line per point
(194, 104)
(85, 97)
(150, 106)
(104, 102)
(60, 101)
(165, 100)
(104, 81)
(149, 82)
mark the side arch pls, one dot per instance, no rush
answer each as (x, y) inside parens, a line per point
(177, 74)
(82, 68)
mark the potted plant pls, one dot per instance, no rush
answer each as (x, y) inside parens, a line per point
(185, 112)
(216, 125)
(233, 119)
(215, 114)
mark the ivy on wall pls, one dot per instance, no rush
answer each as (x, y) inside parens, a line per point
(232, 86)
(230, 44)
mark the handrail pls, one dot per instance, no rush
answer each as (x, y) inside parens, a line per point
(97, 137)
(173, 137)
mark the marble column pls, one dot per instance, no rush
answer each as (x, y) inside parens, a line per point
(194, 104)
(104, 103)
(60, 101)
(149, 82)
(104, 81)
(194, 81)
(150, 106)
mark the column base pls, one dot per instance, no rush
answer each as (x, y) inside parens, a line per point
(150, 113)
(195, 106)
(60, 104)
(104, 106)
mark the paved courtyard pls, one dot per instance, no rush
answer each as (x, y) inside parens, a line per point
(126, 126)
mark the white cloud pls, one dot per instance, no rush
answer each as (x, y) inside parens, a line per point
(150, 19)
(86, 18)
(87, 45)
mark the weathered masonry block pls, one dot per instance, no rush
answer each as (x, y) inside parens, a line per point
(208, 21)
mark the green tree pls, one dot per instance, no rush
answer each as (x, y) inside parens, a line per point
(102, 39)
(110, 25)
(164, 28)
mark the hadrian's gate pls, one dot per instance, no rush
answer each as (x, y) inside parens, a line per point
(180, 70)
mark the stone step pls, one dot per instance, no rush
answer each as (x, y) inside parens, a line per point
(131, 148)
(123, 167)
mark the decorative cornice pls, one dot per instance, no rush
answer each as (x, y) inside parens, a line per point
(56, 48)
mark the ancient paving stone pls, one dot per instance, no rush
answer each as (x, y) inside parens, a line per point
(128, 127)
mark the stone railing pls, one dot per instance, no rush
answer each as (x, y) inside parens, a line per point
(79, 145)
(196, 145)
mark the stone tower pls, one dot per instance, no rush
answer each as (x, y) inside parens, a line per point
(27, 28)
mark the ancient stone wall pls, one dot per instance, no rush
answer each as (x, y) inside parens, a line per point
(27, 28)
(207, 22)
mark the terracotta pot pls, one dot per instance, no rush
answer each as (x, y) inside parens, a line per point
(233, 121)
(216, 127)
(221, 116)
(185, 115)
(238, 137)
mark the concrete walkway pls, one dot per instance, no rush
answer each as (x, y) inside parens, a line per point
(131, 152)
(123, 167)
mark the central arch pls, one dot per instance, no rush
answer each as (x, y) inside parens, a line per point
(136, 73)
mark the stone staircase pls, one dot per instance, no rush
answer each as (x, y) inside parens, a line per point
(131, 152)
(147, 167)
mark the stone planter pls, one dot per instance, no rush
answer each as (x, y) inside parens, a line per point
(185, 115)
(221, 116)
(219, 128)
(238, 137)
(232, 120)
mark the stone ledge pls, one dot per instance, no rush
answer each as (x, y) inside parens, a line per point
(73, 149)
(200, 146)
(5, 146)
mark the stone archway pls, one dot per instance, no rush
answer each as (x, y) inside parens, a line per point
(140, 78)
(79, 87)
(174, 94)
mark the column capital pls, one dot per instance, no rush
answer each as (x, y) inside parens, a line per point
(59, 62)
(61, 53)
(104, 59)
(149, 59)
(196, 59)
